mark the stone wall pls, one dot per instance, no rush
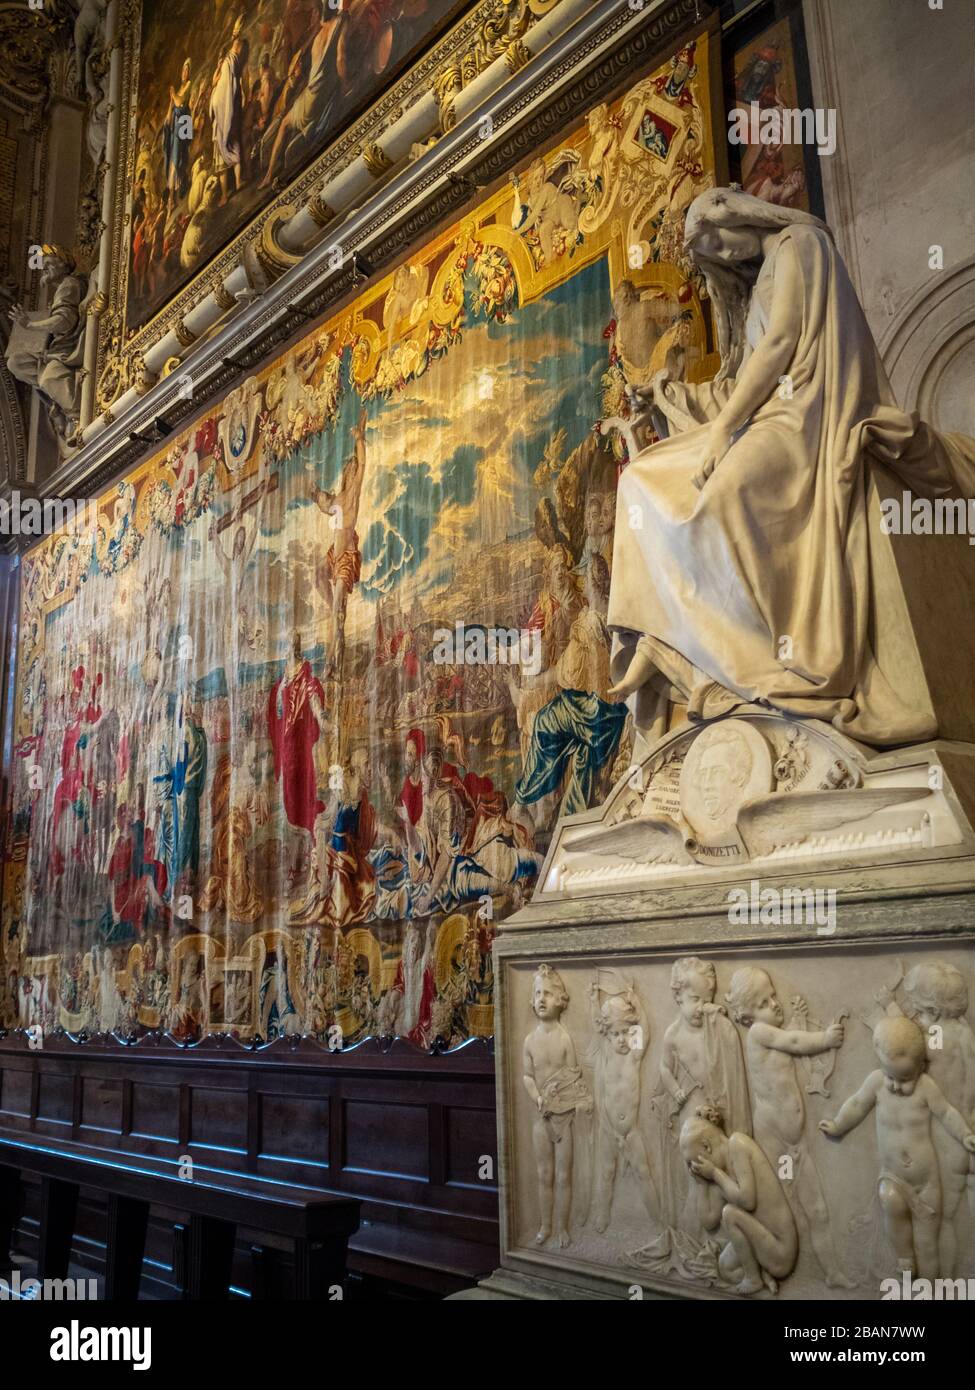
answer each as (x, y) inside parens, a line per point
(900, 183)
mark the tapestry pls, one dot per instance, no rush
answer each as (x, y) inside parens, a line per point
(295, 722)
(232, 101)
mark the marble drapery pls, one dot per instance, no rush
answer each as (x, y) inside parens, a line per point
(762, 580)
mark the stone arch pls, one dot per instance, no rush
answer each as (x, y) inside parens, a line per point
(929, 350)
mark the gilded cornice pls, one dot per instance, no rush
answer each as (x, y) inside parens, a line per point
(532, 107)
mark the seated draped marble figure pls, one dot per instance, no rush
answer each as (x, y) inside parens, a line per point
(744, 570)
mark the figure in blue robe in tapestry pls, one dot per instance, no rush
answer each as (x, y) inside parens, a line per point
(137, 881)
(578, 731)
(443, 864)
(279, 1017)
(653, 138)
(181, 783)
(342, 883)
(119, 542)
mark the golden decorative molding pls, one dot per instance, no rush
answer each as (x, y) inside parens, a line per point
(184, 336)
(271, 257)
(470, 66)
(500, 29)
(114, 376)
(376, 160)
(139, 374)
(28, 40)
(447, 86)
(517, 55)
(319, 211)
(224, 299)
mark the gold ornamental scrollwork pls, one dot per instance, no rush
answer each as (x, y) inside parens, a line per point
(470, 66)
(272, 258)
(517, 55)
(115, 375)
(500, 34)
(223, 298)
(319, 211)
(508, 23)
(27, 41)
(446, 87)
(124, 370)
(139, 374)
(376, 160)
(184, 336)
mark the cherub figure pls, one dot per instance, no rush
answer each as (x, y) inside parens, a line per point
(623, 1036)
(936, 998)
(701, 1064)
(779, 1108)
(407, 298)
(548, 208)
(554, 1083)
(756, 1218)
(290, 399)
(701, 1049)
(905, 1098)
(603, 149)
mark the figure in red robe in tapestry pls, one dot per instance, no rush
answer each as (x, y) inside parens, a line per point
(478, 796)
(73, 791)
(410, 804)
(137, 879)
(295, 715)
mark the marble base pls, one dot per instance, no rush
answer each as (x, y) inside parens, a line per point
(747, 1028)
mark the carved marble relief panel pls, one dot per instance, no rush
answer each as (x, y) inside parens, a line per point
(794, 1124)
